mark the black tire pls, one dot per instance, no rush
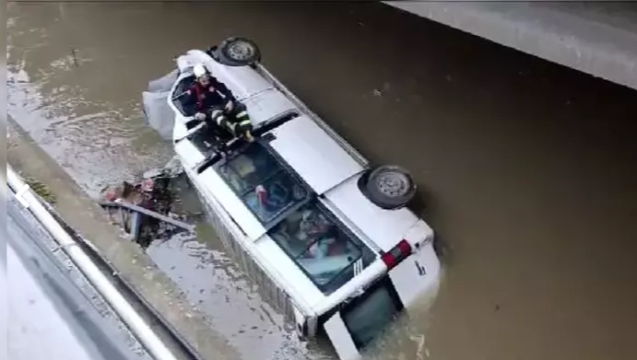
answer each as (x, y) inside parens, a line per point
(388, 187)
(237, 51)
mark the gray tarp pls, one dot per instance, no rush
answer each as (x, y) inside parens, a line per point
(158, 114)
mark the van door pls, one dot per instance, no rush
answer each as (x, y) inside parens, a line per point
(363, 319)
(341, 338)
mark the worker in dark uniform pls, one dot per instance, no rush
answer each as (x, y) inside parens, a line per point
(215, 104)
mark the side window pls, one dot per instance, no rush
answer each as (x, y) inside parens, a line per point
(329, 255)
(262, 183)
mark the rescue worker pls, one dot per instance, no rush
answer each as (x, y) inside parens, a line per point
(215, 104)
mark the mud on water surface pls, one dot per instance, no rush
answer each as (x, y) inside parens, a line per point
(527, 169)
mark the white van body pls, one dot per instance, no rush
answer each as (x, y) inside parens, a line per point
(325, 170)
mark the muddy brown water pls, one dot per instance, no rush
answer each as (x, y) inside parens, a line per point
(527, 170)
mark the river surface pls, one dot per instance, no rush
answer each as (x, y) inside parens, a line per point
(528, 170)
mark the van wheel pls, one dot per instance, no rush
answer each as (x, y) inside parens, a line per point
(388, 187)
(237, 51)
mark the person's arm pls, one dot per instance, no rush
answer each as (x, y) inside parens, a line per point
(188, 97)
(189, 104)
(223, 89)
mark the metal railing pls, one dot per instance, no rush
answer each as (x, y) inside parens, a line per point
(140, 329)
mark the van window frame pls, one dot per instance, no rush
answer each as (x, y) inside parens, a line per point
(326, 288)
(312, 199)
(283, 168)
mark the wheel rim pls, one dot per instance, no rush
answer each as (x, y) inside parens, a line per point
(240, 50)
(393, 184)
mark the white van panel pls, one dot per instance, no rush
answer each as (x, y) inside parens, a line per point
(287, 269)
(179, 129)
(313, 154)
(383, 227)
(188, 153)
(417, 275)
(341, 338)
(267, 105)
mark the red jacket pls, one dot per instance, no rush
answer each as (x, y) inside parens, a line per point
(203, 98)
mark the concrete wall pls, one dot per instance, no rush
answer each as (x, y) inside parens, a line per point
(597, 38)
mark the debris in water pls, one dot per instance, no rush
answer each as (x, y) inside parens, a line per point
(420, 340)
(143, 209)
(138, 210)
(74, 55)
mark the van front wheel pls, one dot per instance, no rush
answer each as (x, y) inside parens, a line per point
(238, 51)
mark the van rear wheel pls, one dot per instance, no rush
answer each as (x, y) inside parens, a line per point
(388, 187)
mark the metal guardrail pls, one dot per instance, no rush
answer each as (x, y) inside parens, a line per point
(140, 329)
(125, 285)
(53, 305)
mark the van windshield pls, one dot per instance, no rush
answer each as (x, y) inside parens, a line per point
(323, 249)
(263, 184)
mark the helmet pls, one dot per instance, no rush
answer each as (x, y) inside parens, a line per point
(199, 70)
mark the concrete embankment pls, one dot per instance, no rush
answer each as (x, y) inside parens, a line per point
(131, 263)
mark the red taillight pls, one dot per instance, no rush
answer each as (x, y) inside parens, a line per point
(397, 254)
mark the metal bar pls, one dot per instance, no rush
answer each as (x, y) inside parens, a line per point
(156, 215)
(135, 225)
(124, 310)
